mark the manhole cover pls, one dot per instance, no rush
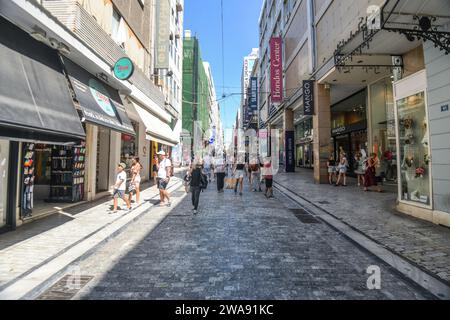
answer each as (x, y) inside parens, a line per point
(66, 288)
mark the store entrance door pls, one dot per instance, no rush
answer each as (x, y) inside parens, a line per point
(103, 151)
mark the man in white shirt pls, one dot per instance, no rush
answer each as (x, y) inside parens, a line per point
(120, 187)
(163, 178)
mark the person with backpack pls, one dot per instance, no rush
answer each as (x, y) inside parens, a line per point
(198, 183)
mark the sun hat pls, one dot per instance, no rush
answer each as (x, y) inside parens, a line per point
(123, 165)
(161, 153)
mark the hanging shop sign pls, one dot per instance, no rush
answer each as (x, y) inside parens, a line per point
(276, 70)
(124, 68)
(162, 34)
(308, 97)
(290, 151)
(254, 95)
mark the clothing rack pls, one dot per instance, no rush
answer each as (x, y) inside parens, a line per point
(67, 173)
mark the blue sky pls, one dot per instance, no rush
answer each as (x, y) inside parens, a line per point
(202, 17)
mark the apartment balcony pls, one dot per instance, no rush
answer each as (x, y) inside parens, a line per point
(85, 27)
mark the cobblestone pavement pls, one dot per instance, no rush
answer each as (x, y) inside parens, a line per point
(39, 242)
(425, 243)
(236, 248)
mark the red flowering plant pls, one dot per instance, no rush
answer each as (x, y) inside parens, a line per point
(420, 172)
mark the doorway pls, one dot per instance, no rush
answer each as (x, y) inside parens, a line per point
(103, 152)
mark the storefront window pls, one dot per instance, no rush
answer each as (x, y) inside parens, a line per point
(4, 157)
(383, 127)
(129, 146)
(414, 149)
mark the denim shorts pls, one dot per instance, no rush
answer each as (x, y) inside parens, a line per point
(119, 193)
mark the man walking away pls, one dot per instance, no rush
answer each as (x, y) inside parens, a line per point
(164, 174)
(198, 182)
(120, 187)
(268, 177)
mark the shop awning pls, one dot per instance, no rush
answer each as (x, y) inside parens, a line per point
(35, 103)
(99, 102)
(156, 129)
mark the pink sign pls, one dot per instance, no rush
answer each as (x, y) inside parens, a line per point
(276, 70)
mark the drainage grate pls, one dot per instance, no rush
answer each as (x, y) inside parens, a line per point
(66, 288)
(323, 202)
(299, 211)
(306, 218)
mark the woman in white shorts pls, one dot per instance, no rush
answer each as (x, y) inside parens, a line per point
(135, 183)
(238, 174)
(342, 167)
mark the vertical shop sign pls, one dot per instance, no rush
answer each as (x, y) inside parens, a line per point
(308, 97)
(290, 151)
(162, 34)
(276, 70)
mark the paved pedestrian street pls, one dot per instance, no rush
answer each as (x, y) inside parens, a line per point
(245, 247)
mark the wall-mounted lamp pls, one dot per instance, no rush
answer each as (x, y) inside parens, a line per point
(327, 86)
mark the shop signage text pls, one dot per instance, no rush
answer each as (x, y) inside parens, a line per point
(276, 70)
(254, 95)
(308, 97)
(162, 34)
(290, 151)
(123, 69)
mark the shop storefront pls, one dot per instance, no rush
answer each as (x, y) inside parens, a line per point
(158, 132)
(304, 144)
(349, 127)
(413, 143)
(101, 108)
(41, 133)
(382, 130)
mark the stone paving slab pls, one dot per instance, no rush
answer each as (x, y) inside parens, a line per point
(236, 248)
(38, 243)
(372, 213)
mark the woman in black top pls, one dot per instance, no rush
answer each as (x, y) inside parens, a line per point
(331, 169)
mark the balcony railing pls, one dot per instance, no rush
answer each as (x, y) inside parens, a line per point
(85, 27)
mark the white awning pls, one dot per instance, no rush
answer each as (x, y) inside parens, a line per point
(156, 129)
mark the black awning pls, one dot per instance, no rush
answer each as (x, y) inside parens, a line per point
(34, 97)
(99, 102)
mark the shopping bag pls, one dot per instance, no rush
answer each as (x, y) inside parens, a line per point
(230, 183)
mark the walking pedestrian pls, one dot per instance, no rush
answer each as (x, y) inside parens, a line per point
(135, 183)
(120, 187)
(164, 174)
(342, 167)
(268, 177)
(220, 174)
(197, 184)
(187, 179)
(255, 175)
(155, 168)
(207, 166)
(331, 164)
(370, 174)
(360, 168)
(238, 173)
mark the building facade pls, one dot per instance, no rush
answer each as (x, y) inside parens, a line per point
(375, 74)
(93, 105)
(200, 107)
